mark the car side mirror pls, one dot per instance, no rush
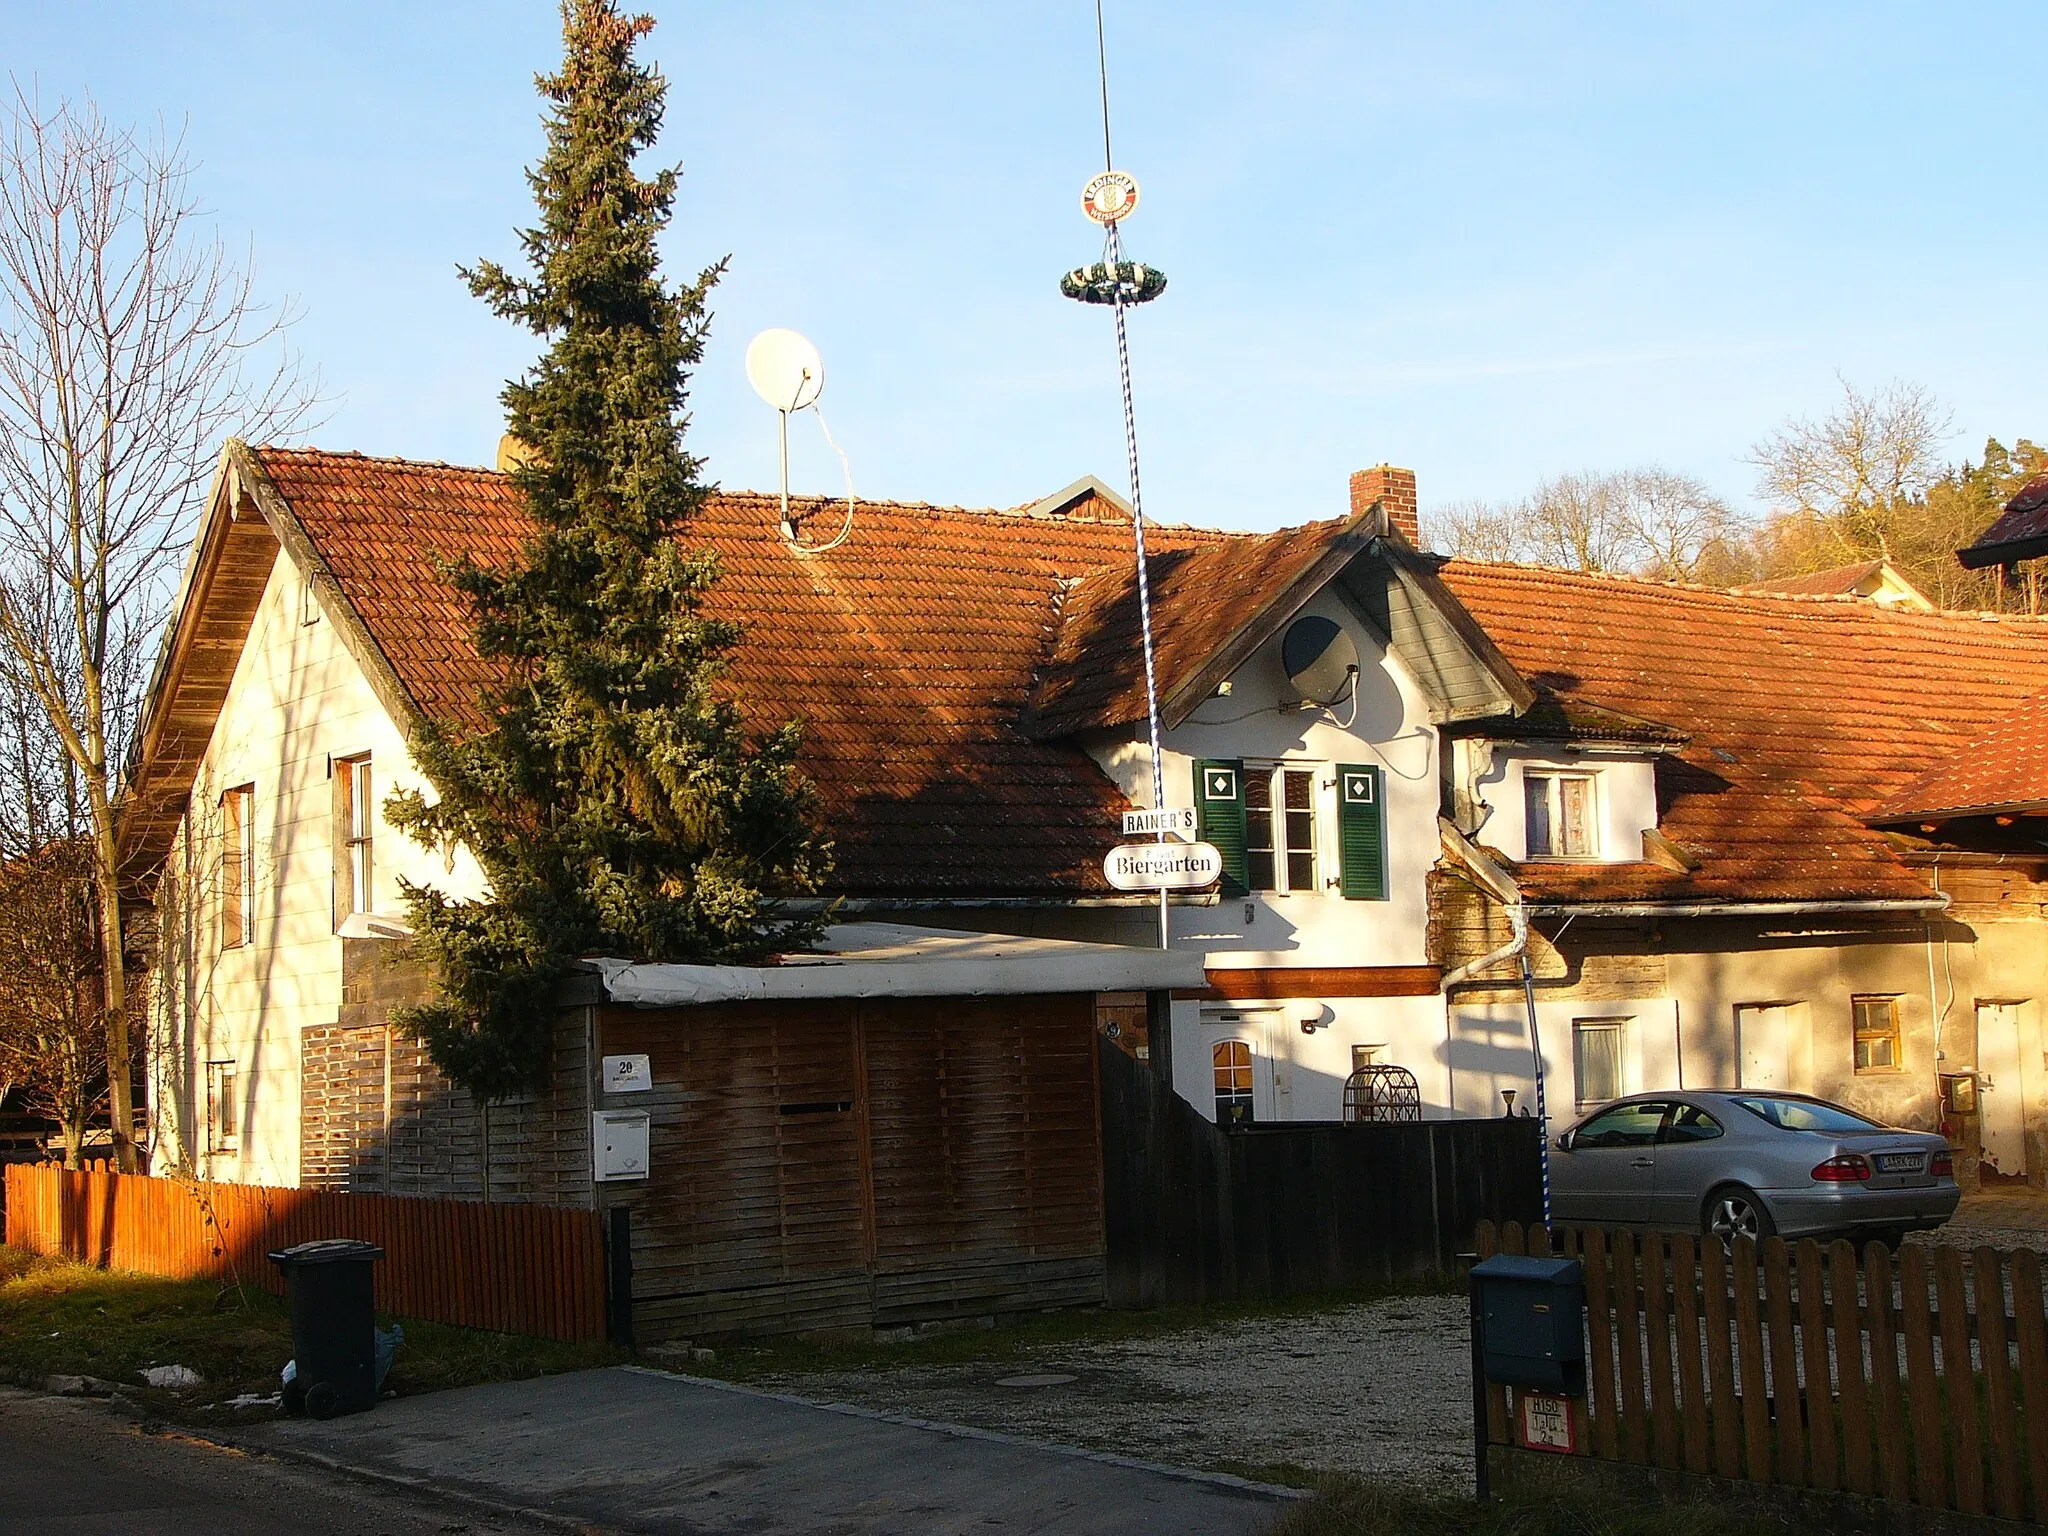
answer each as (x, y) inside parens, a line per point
(1564, 1142)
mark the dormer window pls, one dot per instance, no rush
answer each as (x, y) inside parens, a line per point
(1561, 816)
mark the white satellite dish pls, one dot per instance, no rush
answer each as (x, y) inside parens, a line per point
(785, 370)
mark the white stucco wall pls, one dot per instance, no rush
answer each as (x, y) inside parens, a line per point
(1625, 800)
(1390, 726)
(297, 700)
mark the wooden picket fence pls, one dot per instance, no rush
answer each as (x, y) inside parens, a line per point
(530, 1269)
(1920, 1376)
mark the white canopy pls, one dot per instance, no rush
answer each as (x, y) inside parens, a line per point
(896, 960)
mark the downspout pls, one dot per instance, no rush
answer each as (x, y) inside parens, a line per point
(1500, 885)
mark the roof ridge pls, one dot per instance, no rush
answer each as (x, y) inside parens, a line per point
(1748, 594)
(485, 471)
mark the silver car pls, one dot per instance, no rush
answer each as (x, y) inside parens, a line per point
(1749, 1164)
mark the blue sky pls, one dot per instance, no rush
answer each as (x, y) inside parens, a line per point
(1492, 242)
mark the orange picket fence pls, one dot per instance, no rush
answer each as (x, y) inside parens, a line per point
(530, 1269)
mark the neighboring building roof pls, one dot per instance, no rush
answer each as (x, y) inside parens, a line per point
(2020, 533)
(2004, 769)
(1872, 579)
(1801, 718)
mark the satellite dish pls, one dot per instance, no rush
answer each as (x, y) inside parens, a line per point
(785, 370)
(1319, 656)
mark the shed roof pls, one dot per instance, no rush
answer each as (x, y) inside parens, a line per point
(2020, 533)
(898, 960)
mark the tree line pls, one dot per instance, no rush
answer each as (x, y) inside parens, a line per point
(1869, 480)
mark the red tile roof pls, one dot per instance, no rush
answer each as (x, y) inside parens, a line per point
(2005, 768)
(1802, 717)
(2020, 533)
(1202, 599)
(1842, 581)
(910, 653)
(907, 652)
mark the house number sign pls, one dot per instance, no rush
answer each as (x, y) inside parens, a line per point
(627, 1074)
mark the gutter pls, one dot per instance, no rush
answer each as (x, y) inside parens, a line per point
(1728, 908)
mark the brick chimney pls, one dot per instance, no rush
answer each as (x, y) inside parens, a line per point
(1395, 490)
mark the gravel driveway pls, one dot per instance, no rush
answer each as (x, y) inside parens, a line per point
(1380, 1389)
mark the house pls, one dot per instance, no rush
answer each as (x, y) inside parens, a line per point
(1407, 763)
(1875, 580)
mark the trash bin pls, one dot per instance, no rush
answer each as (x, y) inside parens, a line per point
(334, 1325)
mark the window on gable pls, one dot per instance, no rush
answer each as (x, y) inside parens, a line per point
(1280, 829)
(1877, 1034)
(1560, 816)
(237, 866)
(1232, 1061)
(355, 824)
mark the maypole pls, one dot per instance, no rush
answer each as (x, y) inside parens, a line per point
(1109, 199)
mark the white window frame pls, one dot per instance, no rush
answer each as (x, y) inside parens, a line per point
(1548, 782)
(1615, 1024)
(1250, 1092)
(238, 867)
(1274, 775)
(356, 848)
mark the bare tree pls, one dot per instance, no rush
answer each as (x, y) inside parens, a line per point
(1647, 522)
(53, 1016)
(1678, 528)
(130, 346)
(1858, 472)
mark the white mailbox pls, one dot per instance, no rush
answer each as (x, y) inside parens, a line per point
(618, 1141)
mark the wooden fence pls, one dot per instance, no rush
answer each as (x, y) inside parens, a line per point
(1192, 1213)
(1920, 1376)
(530, 1269)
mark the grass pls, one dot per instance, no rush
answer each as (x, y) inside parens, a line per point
(59, 1318)
(1018, 1339)
(1352, 1507)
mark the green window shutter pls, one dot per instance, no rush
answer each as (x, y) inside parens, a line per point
(1219, 818)
(1361, 832)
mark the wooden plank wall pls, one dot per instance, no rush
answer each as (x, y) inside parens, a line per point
(1934, 1364)
(845, 1164)
(528, 1269)
(1197, 1214)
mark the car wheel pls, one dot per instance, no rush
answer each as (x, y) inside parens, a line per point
(1732, 1211)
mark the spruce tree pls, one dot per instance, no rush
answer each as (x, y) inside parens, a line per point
(616, 800)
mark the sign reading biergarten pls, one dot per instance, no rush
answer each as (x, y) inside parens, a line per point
(1163, 866)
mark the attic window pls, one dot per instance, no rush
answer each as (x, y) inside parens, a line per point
(1561, 817)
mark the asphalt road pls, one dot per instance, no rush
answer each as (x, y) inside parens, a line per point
(73, 1467)
(635, 1450)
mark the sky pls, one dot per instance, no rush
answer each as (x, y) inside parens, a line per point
(1492, 243)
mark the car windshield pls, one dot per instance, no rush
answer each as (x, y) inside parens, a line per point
(1806, 1115)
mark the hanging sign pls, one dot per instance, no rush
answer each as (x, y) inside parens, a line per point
(1178, 819)
(1110, 196)
(1163, 866)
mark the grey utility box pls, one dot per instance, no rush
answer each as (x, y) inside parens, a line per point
(1532, 1318)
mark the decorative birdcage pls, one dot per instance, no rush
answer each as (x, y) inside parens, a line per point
(1382, 1095)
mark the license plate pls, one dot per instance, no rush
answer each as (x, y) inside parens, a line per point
(1900, 1162)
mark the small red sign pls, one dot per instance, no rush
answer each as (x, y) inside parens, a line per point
(1547, 1423)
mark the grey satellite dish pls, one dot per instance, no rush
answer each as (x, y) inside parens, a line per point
(1319, 656)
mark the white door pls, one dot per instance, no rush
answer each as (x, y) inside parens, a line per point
(1763, 1045)
(2001, 1092)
